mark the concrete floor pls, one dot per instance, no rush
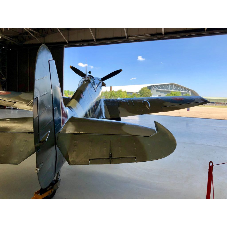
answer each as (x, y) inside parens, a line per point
(181, 175)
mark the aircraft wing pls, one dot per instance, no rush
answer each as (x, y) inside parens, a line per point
(16, 140)
(92, 141)
(20, 100)
(116, 108)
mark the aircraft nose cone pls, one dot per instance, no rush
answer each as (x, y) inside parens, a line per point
(204, 101)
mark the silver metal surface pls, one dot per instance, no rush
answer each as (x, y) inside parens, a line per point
(100, 127)
(59, 113)
(182, 175)
(44, 119)
(16, 140)
(117, 147)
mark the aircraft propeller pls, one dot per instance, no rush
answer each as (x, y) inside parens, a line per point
(80, 73)
(77, 71)
(114, 73)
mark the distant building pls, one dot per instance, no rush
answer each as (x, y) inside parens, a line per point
(156, 89)
(217, 100)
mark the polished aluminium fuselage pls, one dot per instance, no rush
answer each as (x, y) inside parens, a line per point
(86, 95)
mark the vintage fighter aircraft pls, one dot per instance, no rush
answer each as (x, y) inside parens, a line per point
(78, 130)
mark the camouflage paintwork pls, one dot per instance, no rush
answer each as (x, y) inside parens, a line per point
(117, 108)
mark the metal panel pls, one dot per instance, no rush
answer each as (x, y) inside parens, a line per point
(47, 91)
(16, 140)
(85, 149)
(16, 147)
(58, 56)
(45, 152)
(57, 106)
(11, 125)
(95, 126)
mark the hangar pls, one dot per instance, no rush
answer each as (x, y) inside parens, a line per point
(18, 46)
(156, 89)
(164, 89)
(22, 79)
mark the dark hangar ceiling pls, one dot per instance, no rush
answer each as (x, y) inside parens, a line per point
(19, 46)
(97, 36)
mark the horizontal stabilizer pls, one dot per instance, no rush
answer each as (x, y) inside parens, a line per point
(94, 148)
(97, 126)
(16, 139)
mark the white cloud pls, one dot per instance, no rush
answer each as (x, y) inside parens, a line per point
(134, 78)
(82, 65)
(140, 58)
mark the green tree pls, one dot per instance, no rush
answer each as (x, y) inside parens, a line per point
(68, 93)
(145, 92)
(187, 94)
(114, 94)
(117, 94)
(174, 93)
(134, 95)
(121, 94)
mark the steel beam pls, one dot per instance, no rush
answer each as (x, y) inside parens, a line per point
(62, 35)
(92, 34)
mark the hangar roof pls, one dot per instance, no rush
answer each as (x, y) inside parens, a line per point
(97, 36)
(162, 86)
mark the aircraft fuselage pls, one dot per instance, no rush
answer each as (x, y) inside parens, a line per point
(85, 96)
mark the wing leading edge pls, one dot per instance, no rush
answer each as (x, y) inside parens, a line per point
(117, 108)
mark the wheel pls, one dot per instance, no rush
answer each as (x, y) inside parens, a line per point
(44, 190)
(51, 195)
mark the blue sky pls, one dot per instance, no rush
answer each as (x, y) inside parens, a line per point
(196, 63)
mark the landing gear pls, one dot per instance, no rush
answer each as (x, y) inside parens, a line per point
(50, 191)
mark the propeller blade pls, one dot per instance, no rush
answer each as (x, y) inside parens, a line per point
(77, 71)
(111, 75)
